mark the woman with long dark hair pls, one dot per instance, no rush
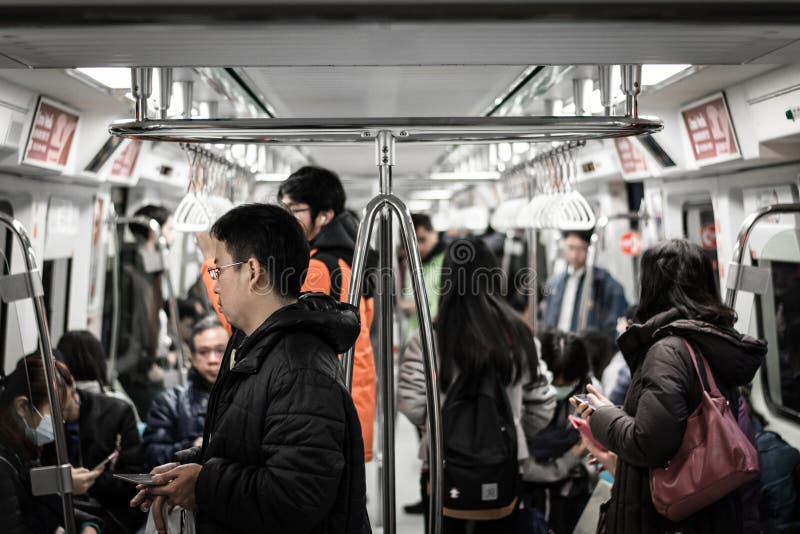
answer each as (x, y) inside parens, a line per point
(478, 334)
(26, 426)
(679, 303)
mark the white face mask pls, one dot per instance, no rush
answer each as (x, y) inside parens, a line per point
(562, 392)
(43, 433)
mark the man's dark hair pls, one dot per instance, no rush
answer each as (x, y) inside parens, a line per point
(584, 236)
(320, 188)
(84, 355)
(206, 323)
(150, 211)
(421, 220)
(271, 235)
(677, 274)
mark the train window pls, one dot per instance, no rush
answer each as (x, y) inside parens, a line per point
(699, 227)
(56, 276)
(6, 243)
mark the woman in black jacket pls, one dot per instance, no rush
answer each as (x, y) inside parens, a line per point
(25, 426)
(679, 301)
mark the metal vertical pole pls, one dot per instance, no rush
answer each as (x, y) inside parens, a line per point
(115, 311)
(384, 146)
(631, 86)
(604, 81)
(46, 349)
(141, 87)
(533, 265)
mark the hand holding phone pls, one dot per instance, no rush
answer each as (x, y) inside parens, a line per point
(583, 398)
(138, 479)
(110, 458)
(586, 431)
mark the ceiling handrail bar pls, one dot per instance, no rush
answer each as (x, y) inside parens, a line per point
(437, 130)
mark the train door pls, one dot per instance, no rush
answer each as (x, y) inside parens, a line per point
(699, 226)
(775, 248)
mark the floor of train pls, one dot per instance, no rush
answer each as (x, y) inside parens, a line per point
(407, 467)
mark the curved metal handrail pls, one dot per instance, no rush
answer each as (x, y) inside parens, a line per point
(745, 231)
(46, 350)
(444, 130)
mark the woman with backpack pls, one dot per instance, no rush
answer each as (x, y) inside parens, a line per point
(495, 392)
(680, 321)
(556, 480)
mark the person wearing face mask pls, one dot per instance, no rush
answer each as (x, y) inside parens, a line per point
(26, 426)
(96, 426)
(557, 480)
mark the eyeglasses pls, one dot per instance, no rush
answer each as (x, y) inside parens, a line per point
(214, 272)
(293, 210)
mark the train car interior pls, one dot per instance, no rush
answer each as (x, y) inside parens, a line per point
(517, 122)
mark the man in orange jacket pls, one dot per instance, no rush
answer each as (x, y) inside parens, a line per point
(316, 198)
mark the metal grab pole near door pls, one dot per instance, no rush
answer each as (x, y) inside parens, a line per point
(384, 204)
(172, 303)
(736, 270)
(51, 479)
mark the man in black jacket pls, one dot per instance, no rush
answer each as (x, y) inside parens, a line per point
(282, 448)
(177, 416)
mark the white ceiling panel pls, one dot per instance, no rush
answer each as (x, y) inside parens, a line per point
(382, 91)
(342, 44)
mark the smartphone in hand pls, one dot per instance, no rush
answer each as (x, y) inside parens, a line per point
(110, 458)
(583, 398)
(133, 478)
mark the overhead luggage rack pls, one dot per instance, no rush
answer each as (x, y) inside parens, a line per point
(435, 130)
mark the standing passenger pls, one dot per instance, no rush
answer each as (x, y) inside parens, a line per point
(679, 301)
(431, 251)
(315, 196)
(282, 449)
(178, 415)
(563, 291)
(478, 333)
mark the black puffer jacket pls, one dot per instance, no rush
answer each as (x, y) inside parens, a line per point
(176, 420)
(282, 449)
(664, 391)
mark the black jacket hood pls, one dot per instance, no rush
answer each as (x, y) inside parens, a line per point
(336, 323)
(733, 356)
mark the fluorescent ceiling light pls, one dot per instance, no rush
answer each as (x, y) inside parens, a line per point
(271, 177)
(111, 77)
(471, 175)
(432, 194)
(655, 74)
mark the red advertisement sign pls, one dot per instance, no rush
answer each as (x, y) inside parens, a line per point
(631, 158)
(710, 129)
(51, 135)
(631, 243)
(708, 236)
(125, 162)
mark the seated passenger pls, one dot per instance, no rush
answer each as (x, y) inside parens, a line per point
(84, 355)
(477, 334)
(96, 426)
(679, 301)
(558, 481)
(282, 449)
(25, 426)
(177, 416)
